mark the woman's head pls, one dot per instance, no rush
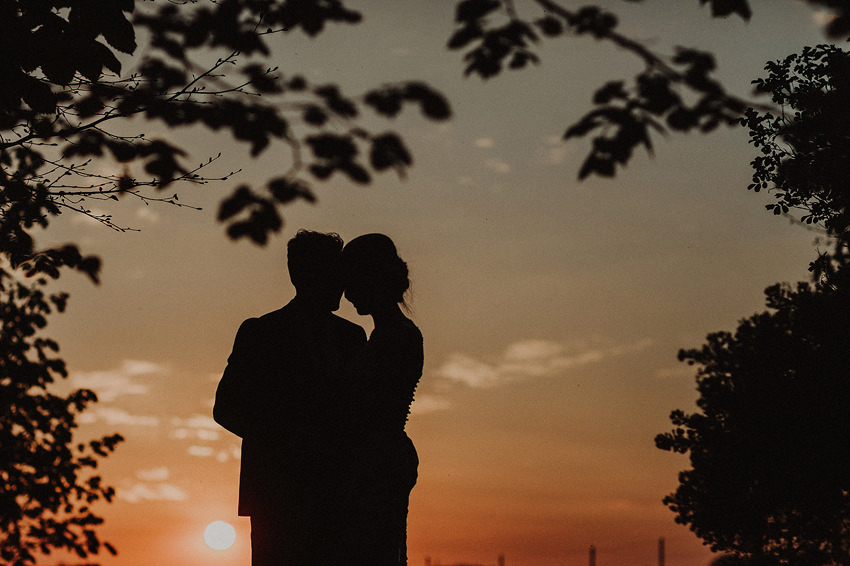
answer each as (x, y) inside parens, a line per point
(375, 276)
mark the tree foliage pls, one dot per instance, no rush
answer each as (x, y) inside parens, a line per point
(672, 93)
(47, 483)
(770, 445)
(806, 145)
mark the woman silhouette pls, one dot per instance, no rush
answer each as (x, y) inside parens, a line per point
(385, 465)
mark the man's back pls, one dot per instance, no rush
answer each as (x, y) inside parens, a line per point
(284, 393)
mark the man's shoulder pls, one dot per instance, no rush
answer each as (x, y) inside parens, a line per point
(274, 316)
(264, 322)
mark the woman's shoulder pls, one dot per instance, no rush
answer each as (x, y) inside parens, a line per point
(402, 333)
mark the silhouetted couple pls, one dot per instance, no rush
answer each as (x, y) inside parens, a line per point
(327, 468)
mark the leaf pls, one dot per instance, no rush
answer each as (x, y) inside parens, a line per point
(355, 172)
(465, 35)
(123, 151)
(314, 116)
(469, 10)
(235, 203)
(332, 147)
(38, 95)
(285, 191)
(389, 151)
(723, 8)
(610, 91)
(550, 26)
(386, 102)
(433, 104)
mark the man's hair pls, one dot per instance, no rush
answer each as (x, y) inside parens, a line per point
(312, 255)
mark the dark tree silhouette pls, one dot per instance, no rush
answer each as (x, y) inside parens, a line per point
(770, 445)
(46, 481)
(805, 146)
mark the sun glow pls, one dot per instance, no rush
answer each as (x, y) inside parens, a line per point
(219, 535)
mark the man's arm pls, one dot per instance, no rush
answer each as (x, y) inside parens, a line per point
(235, 403)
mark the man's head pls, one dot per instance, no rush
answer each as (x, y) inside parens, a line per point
(315, 262)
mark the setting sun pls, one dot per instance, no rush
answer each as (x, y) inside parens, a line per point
(219, 535)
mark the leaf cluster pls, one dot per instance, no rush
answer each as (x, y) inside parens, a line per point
(172, 85)
(804, 147)
(497, 37)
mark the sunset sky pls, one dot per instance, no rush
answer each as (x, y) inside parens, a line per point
(552, 310)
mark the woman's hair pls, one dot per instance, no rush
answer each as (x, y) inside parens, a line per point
(375, 259)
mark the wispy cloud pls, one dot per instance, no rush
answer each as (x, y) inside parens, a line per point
(822, 18)
(497, 165)
(528, 359)
(676, 372)
(160, 473)
(123, 380)
(147, 214)
(428, 403)
(116, 417)
(139, 492)
(152, 487)
(205, 437)
(554, 150)
(196, 427)
(233, 452)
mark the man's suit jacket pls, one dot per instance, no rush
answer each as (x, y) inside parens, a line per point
(285, 392)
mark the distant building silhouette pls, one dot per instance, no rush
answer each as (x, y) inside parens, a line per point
(591, 558)
(661, 553)
(499, 562)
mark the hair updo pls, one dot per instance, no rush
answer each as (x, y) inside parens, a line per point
(374, 260)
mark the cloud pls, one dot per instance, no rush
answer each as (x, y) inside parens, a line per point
(555, 150)
(114, 383)
(147, 214)
(154, 474)
(116, 417)
(196, 427)
(201, 451)
(428, 403)
(822, 18)
(484, 142)
(528, 359)
(222, 455)
(140, 492)
(497, 165)
(676, 372)
(203, 430)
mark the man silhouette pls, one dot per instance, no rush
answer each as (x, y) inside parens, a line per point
(283, 391)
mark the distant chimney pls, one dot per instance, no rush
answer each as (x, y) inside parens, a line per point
(427, 561)
(592, 555)
(501, 560)
(661, 551)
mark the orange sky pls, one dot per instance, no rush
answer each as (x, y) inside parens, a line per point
(552, 310)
